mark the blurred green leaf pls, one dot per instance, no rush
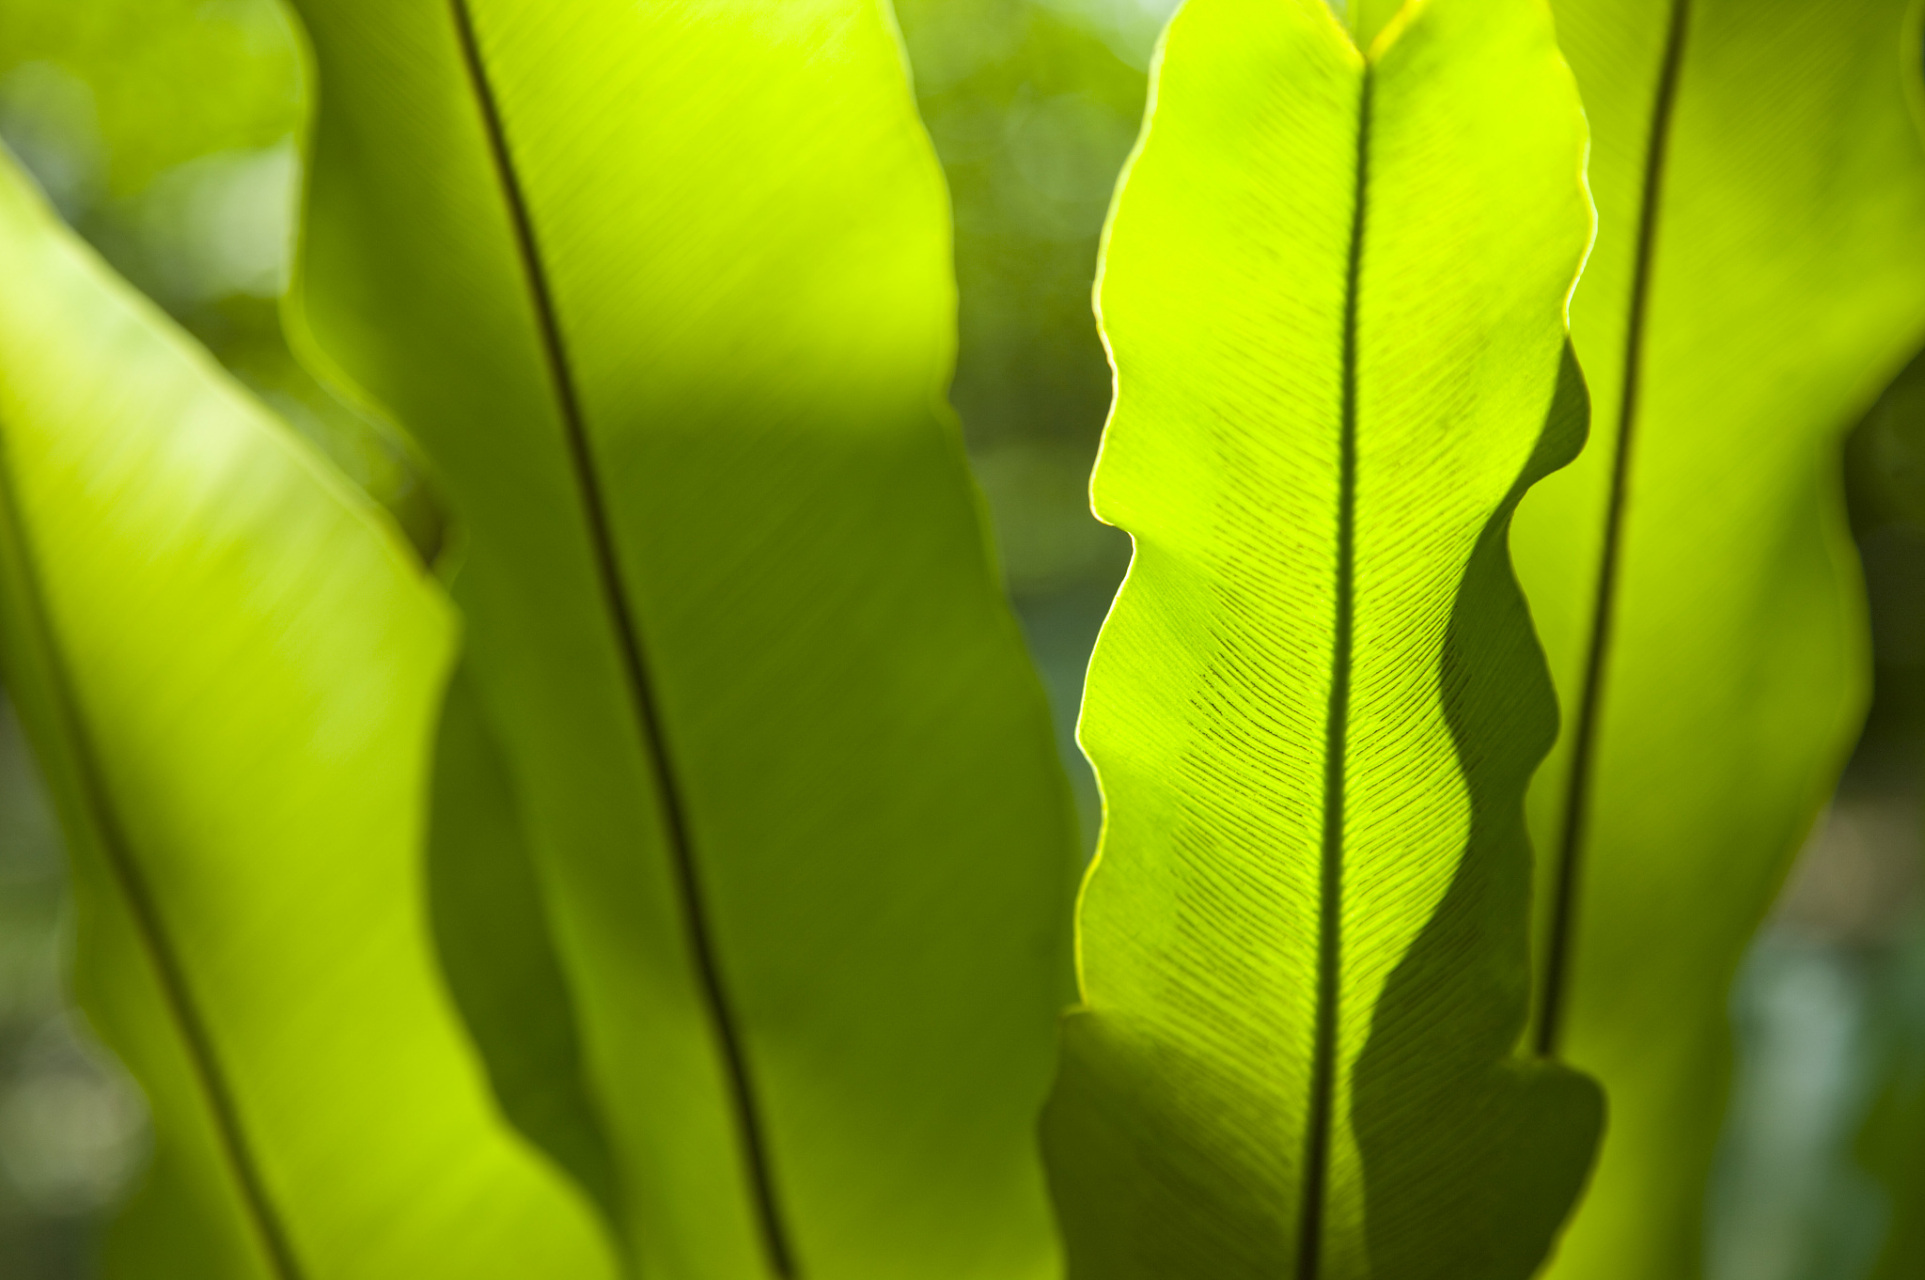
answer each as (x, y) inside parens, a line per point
(164, 132)
(1885, 481)
(227, 661)
(664, 291)
(142, 86)
(1033, 117)
(1334, 295)
(1891, 1139)
(999, 81)
(1759, 274)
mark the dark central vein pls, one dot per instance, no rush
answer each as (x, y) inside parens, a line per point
(1323, 1065)
(144, 910)
(1577, 804)
(635, 666)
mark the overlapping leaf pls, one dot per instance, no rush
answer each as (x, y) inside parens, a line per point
(227, 662)
(1333, 292)
(663, 290)
(1759, 274)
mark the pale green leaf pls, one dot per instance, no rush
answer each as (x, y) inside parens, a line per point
(227, 662)
(1334, 294)
(1759, 274)
(663, 290)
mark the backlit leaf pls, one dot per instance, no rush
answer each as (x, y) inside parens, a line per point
(1759, 274)
(227, 662)
(1334, 295)
(663, 290)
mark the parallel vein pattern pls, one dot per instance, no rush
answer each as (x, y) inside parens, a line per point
(1333, 292)
(1337, 732)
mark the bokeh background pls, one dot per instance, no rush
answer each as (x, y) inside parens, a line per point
(165, 132)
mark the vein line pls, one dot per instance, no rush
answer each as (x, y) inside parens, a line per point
(642, 695)
(144, 909)
(1336, 747)
(1557, 975)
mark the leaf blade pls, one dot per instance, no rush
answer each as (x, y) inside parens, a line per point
(1270, 709)
(222, 650)
(751, 310)
(1784, 289)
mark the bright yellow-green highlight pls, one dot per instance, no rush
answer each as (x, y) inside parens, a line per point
(1316, 253)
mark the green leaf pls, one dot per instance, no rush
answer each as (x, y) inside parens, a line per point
(163, 131)
(664, 293)
(488, 910)
(1333, 291)
(1890, 1139)
(227, 662)
(1759, 274)
(125, 90)
(1366, 18)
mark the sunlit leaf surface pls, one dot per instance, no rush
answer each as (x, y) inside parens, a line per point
(1333, 292)
(227, 662)
(664, 292)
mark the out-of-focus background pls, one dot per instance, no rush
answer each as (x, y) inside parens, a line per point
(164, 130)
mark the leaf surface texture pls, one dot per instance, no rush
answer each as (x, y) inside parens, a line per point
(1333, 292)
(664, 293)
(1758, 277)
(227, 662)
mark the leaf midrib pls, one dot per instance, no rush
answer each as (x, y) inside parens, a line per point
(1336, 744)
(143, 908)
(643, 701)
(1577, 802)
